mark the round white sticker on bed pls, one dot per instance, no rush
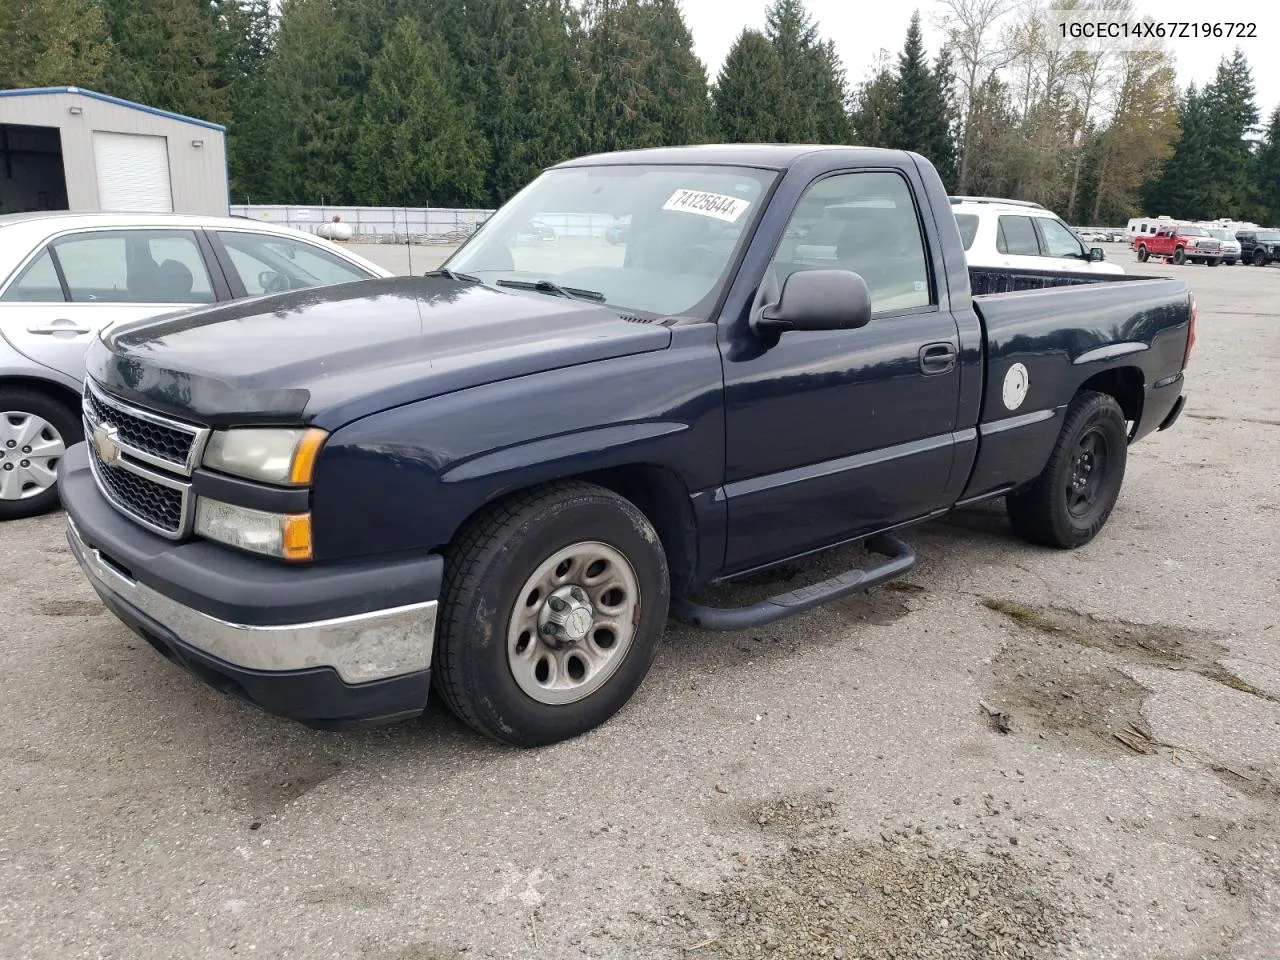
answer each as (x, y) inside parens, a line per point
(1016, 383)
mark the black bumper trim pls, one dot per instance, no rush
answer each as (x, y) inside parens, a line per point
(235, 586)
(317, 697)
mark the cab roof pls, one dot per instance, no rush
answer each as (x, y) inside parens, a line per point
(768, 156)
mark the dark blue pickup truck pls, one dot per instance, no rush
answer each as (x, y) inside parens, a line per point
(502, 477)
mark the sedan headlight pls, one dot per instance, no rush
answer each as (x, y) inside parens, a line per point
(286, 536)
(269, 454)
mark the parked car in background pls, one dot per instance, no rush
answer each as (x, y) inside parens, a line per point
(66, 276)
(492, 482)
(1230, 245)
(1181, 242)
(1259, 247)
(1023, 236)
(616, 233)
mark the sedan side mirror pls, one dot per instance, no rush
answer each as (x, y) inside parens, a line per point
(1096, 254)
(818, 300)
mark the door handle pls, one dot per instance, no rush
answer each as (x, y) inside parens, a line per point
(936, 358)
(61, 325)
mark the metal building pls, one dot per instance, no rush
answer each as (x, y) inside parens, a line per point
(64, 148)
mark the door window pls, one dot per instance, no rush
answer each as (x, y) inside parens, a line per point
(1017, 236)
(864, 222)
(271, 264)
(968, 224)
(1059, 241)
(134, 266)
(38, 283)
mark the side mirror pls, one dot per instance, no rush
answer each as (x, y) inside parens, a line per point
(1096, 254)
(818, 300)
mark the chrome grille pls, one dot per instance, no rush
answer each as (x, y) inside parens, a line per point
(142, 461)
(155, 505)
(149, 437)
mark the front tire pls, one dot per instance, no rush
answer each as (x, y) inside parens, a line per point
(1179, 256)
(1231, 262)
(1213, 261)
(35, 432)
(553, 605)
(1142, 253)
(1259, 258)
(1074, 495)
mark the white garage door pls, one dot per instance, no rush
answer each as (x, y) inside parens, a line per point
(133, 172)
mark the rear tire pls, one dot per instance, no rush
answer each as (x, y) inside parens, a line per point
(1074, 495)
(35, 432)
(574, 552)
(1142, 253)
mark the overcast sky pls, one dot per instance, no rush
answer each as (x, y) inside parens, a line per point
(860, 28)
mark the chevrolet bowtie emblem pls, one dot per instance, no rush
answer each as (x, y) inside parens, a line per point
(105, 440)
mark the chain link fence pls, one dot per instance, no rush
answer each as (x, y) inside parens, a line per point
(427, 225)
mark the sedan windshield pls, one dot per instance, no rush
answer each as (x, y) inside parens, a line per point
(647, 239)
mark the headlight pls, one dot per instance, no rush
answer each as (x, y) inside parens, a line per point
(286, 536)
(269, 454)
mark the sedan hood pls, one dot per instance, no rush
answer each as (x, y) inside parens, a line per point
(328, 355)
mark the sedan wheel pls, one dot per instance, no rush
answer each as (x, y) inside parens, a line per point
(35, 432)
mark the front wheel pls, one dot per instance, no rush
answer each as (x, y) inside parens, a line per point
(1213, 261)
(1179, 256)
(1231, 262)
(1072, 498)
(1142, 253)
(1259, 258)
(35, 431)
(553, 605)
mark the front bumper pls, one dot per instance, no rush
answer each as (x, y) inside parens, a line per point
(332, 645)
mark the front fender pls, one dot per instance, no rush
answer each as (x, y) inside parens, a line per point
(408, 478)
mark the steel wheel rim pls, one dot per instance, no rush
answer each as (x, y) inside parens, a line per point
(1089, 464)
(588, 594)
(30, 449)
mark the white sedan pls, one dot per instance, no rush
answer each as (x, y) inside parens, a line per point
(66, 276)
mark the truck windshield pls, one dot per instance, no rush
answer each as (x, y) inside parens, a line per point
(647, 239)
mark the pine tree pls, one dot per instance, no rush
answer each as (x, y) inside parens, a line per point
(417, 145)
(747, 91)
(1182, 188)
(831, 97)
(675, 74)
(1232, 115)
(165, 54)
(940, 138)
(46, 43)
(875, 102)
(246, 33)
(1269, 170)
(794, 37)
(311, 92)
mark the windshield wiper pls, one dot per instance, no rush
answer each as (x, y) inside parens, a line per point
(452, 275)
(548, 286)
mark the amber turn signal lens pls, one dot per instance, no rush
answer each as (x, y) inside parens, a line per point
(296, 539)
(305, 456)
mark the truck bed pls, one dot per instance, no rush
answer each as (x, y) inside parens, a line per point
(994, 280)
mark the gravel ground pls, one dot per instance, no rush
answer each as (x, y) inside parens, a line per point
(1013, 753)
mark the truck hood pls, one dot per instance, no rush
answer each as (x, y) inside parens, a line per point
(328, 355)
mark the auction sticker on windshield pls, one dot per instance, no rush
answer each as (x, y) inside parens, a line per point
(707, 204)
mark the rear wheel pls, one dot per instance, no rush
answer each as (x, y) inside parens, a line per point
(35, 431)
(1142, 253)
(553, 605)
(1179, 256)
(1074, 495)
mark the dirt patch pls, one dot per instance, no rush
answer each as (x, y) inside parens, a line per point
(1146, 644)
(791, 815)
(881, 901)
(71, 608)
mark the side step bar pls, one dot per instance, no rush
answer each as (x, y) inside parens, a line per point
(899, 558)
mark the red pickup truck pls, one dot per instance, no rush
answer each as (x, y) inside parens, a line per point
(1182, 242)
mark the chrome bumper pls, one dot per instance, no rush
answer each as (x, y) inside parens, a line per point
(361, 648)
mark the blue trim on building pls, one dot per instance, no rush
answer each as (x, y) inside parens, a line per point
(105, 98)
